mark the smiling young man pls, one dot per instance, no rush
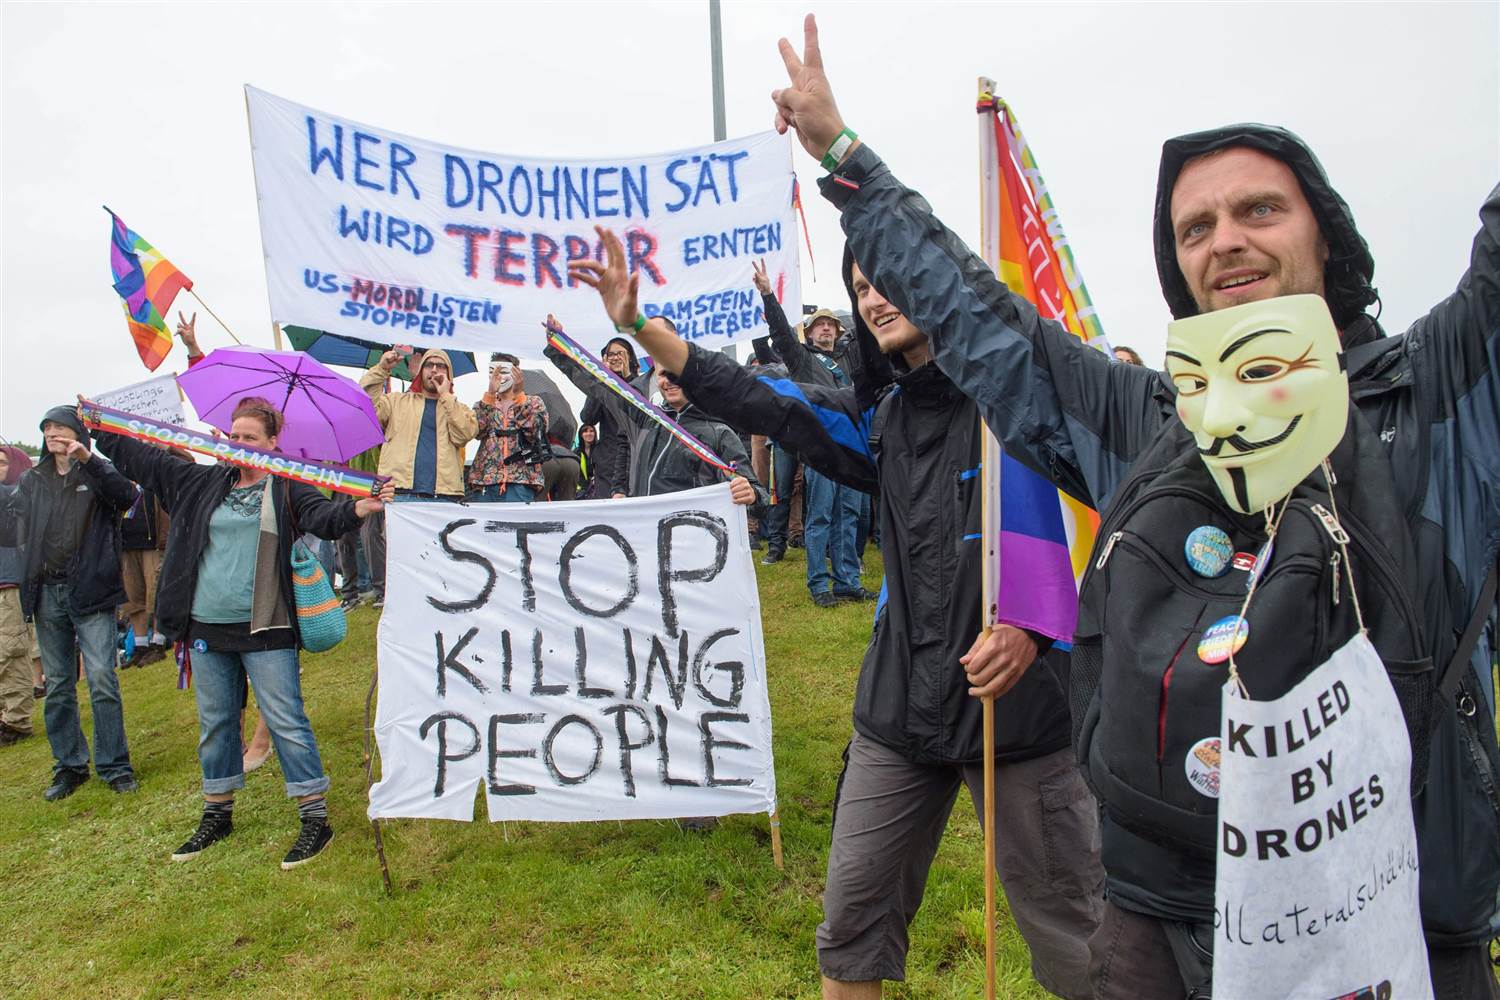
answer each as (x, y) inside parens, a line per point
(918, 733)
(1243, 213)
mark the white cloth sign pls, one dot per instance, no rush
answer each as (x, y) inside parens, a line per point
(388, 238)
(1316, 886)
(156, 399)
(578, 661)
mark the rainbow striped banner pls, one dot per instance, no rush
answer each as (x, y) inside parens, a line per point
(560, 340)
(323, 475)
(1038, 538)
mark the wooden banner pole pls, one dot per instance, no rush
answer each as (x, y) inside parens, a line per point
(385, 869)
(776, 841)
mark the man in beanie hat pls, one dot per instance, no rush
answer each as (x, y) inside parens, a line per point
(64, 514)
(1244, 213)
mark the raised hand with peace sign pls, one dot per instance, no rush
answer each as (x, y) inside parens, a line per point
(188, 334)
(807, 105)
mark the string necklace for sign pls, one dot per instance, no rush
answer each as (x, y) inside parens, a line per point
(1273, 523)
(1341, 538)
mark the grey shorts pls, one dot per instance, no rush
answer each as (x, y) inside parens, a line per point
(888, 821)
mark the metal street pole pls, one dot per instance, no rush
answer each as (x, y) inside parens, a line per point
(716, 60)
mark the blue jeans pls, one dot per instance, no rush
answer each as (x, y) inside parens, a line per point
(783, 479)
(57, 629)
(219, 680)
(514, 493)
(832, 520)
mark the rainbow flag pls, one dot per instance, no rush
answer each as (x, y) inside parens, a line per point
(1039, 537)
(147, 283)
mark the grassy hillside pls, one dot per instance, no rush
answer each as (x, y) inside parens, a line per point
(95, 908)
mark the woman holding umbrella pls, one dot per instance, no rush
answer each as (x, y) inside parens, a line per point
(226, 587)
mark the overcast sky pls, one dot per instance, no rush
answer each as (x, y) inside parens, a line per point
(141, 107)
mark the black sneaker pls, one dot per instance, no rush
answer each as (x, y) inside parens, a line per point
(825, 599)
(856, 595)
(65, 783)
(10, 734)
(124, 784)
(772, 557)
(147, 655)
(315, 835)
(211, 830)
(350, 603)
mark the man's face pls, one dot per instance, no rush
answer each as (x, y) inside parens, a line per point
(1262, 390)
(893, 331)
(57, 437)
(434, 374)
(617, 359)
(502, 376)
(4, 465)
(1244, 230)
(823, 334)
(671, 392)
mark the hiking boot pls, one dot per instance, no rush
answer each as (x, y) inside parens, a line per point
(211, 830)
(147, 655)
(10, 734)
(124, 784)
(315, 835)
(65, 783)
(825, 599)
(856, 595)
(772, 557)
(796, 542)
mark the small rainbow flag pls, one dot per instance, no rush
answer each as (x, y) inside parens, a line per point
(1044, 535)
(147, 283)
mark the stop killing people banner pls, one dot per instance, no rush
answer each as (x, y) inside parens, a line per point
(380, 236)
(581, 661)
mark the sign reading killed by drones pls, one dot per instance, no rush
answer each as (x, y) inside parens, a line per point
(579, 661)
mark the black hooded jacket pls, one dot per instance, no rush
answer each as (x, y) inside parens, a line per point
(1431, 397)
(611, 453)
(916, 447)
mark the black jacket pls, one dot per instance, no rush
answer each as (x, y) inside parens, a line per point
(93, 572)
(804, 362)
(912, 694)
(611, 454)
(1432, 397)
(190, 493)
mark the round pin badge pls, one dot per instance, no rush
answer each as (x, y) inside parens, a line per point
(1222, 639)
(1208, 551)
(1202, 766)
(1261, 560)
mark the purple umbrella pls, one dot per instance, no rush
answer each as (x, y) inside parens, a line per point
(328, 416)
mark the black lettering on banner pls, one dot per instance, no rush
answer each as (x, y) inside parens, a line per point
(565, 571)
(710, 743)
(627, 745)
(464, 556)
(537, 687)
(507, 661)
(448, 660)
(664, 758)
(734, 668)
(524, 530)
(657, 657)
(550, 759)
(441, 719)
(510, 719)
(668, 574)
(581, 666)
(629, 641)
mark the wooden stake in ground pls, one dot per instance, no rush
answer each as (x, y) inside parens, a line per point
(385, 870)
(776, 840)
(216, 317)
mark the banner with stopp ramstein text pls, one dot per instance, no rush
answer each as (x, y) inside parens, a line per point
(380, 236)
(579, 661)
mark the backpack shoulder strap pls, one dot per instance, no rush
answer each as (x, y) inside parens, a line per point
(1453, 673)
(882, 414)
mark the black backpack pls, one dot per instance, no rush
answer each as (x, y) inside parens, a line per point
(1142, 700)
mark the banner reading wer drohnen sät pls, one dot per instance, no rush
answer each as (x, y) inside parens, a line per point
(384, 237)
(578, 661)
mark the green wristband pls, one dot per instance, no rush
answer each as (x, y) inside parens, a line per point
(837, 150)
(636, 327)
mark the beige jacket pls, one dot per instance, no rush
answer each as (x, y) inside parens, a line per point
(400, 415)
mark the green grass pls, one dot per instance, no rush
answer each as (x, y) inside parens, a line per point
(93, 907)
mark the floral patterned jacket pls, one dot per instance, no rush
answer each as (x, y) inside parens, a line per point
(511, 433)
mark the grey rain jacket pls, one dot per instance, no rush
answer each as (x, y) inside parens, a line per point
(921, 460)
(1432, 396)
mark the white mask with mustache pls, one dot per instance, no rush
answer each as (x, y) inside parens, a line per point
(1263, 390)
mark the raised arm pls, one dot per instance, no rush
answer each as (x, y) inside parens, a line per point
(373, 383)
(800, 364)
(1063, 408)
(157, 471)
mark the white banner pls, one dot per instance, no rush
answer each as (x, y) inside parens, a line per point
(383, 237)
(156, 399)
(1316, 887)
(578, 661)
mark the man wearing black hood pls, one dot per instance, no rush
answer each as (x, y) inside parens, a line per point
(1243, 213)
(64, 515)
(611, 454)
(917, 711)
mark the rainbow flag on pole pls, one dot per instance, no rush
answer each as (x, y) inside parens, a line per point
(1038, 537)
(147, 283)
